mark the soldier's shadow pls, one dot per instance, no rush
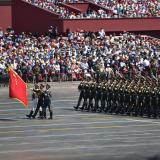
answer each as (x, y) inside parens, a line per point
(6, 119)
(68, 109)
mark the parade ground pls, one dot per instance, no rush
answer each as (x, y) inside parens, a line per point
(73, 135)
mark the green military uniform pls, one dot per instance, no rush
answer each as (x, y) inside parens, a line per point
(81, 95)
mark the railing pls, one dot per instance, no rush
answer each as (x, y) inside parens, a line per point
(54, 77)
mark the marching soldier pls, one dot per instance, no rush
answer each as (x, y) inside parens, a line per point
(138, 97)
(158, 102)
(109, 98)
(47, 102)
(81, 89)
(154, 107)
(86, 96)
(34, 100)
(97, 98)
(40, 103)
(146, 100)
(140, 101)
(103, 97)
(129, 100)
(92, 90)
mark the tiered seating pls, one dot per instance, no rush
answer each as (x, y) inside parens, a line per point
(115, 9)
(131, 8)
(65, 12)
(52, 57)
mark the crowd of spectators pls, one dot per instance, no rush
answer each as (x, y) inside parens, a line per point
(54, 57)
(53, 7)
(65, 13)
(131, 8)
(113, 8)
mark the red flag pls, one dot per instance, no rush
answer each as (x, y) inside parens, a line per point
(17, 88)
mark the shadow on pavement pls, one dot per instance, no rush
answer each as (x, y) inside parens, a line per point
(4, 119)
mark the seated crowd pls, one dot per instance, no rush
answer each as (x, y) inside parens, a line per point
(79, 54)
(131, 8)
(110, 8)
(66, 13)
(49, 5)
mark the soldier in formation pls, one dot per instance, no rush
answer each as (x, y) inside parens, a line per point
(41, 98)
(137, 97)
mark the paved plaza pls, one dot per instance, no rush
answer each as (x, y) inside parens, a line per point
(73, 135)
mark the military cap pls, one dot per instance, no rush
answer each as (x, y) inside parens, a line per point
(47, 85)
(41, 85)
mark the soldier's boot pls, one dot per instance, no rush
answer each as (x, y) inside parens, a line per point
(99, 109)
(154, 115)
(51, 115)
(129, 109)
(117, 109)
(103, 109)
(102, 106)
(30, 114)
(93, 109)
(83, 106)
(40, 115)
(106, 109)
(112, 108)
(155, 111)
(91, 106)
(141, 112)
(149, 115)
(128, 113)
(88, 108)
(96, 107)
(75, 107)
(124, 110)
(135, 111)
(78, 104)
(44, 115)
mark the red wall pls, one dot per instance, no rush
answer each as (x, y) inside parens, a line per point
(29, 18)
(81, 6)
(5, 16)
(70, 7)
(96, 7)
(113, 25)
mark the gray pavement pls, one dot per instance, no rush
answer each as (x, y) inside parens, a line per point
(74, 134)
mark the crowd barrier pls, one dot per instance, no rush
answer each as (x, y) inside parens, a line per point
(57, 77)
(54, 77)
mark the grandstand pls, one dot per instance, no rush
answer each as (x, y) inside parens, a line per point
(86, 38)
(83, 14)
(46, 41)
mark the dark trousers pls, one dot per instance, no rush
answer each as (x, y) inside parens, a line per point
(90, 105)
(47, 105)
(40, 104)
(80, 99)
